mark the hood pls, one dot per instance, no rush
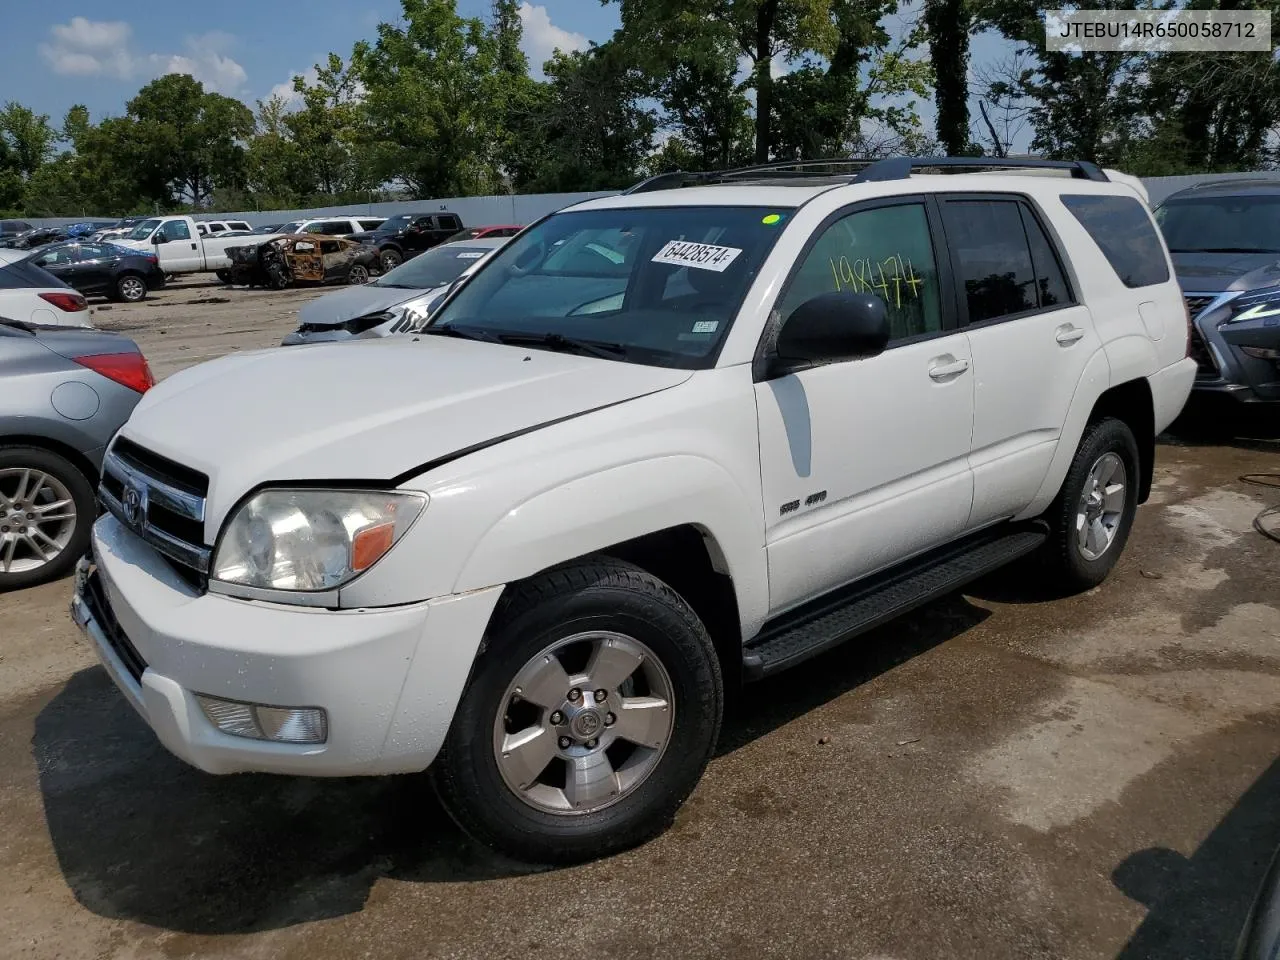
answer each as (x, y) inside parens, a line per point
(342, 305)
(366, 409)
(1216, 272)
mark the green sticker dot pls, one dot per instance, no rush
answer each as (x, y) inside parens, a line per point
(772, 218)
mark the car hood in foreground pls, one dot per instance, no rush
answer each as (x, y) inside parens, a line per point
(367, 410)
(340, 306)
(1217, 272)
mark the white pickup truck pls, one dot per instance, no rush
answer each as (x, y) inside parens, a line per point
(178, 243)
(658, 444)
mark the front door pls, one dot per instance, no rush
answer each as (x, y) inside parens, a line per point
(865, 463)
(179, 252)
(1031, 339)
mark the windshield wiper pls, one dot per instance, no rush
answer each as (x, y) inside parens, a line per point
(462, 333)
(559, 342)
(1221, 250)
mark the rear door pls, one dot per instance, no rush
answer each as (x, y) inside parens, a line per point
(1031, 339)
(95, 268)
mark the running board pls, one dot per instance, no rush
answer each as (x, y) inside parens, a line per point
(845, 613)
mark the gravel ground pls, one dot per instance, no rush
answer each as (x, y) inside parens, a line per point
(1001, 775)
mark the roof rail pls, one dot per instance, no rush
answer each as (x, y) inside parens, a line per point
(871, 171)
(1234, 181)
(899, 168)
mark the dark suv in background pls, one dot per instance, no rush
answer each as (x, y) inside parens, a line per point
(408, 234)
(1225, 241)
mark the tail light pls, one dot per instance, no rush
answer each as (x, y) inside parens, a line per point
(127, 369)
(70, 302)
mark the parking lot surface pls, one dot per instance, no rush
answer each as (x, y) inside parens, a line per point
(1002, 774)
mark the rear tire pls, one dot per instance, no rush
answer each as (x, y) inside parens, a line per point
(130, 288)
(46, 508)
(1092, 515)
(589, 789)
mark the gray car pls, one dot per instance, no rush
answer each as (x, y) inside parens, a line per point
(1224, 237)
(64, 392)
(393, 303)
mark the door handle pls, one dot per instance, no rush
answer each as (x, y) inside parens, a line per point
(193, 246)
(1068, 334)
(947, 367)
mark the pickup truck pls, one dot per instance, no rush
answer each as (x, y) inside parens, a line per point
(177, 242)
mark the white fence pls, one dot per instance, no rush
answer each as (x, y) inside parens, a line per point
(525, 208)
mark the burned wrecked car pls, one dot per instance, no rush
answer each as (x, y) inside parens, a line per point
(308, 258)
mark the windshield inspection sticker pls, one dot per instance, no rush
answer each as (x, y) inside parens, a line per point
(706, 326)
(700, 256)
(470, 256)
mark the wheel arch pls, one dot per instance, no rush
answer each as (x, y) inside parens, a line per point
(1131, 403)
(65, 450)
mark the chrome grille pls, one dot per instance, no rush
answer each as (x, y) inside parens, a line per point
(1206, 369)
(162, 502)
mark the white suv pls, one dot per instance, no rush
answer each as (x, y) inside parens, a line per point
(660, 443)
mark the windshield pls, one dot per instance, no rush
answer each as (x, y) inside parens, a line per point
(656, 285)
(399, 222)
(291, 227)
(1241, 224)
(434, 268)
(143, 230)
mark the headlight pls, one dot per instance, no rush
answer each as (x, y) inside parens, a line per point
(308, 540)
(1255, 304)
(404, 318)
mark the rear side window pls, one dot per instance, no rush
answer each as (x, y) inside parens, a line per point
(24, 273)
(991, 257)
(449, 222)
(1123, 232)
(370, 224)
(1051, 285)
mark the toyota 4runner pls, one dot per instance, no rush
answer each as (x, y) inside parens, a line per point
(660, 443)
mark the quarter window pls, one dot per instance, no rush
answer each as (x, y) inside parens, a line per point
(885, 251)
(1123, 232)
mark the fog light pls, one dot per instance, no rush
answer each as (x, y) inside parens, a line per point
(258, 721)
(1262, 353)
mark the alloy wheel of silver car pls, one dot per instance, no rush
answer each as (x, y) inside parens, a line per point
(584, 723)
(1101, 507)
(132, 289)
(37, 519)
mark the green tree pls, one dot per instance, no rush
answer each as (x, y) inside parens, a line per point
(188, 141)
(327, 130)
(429, 120)
(759, 30)
(949, 23)
(596, 133)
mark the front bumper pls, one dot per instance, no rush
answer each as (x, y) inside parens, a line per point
(389, 679)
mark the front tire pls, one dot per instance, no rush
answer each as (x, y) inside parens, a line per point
(589, 718)
(1092, 515)
(359, 274)
(46, 513)
(390, 259)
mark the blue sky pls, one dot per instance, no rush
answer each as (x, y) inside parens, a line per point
(100, 54)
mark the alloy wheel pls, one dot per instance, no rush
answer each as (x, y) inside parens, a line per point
(37, 519)
(1101, 506)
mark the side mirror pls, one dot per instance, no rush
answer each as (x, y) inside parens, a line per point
(830, 328)
(159, 237)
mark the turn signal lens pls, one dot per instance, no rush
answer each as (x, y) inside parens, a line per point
(368, 546)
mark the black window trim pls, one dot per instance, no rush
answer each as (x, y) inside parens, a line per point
(1027, 206)
(947, 305)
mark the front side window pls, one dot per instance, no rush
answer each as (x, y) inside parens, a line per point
(143, 230)
(885, 251)
(655, 285)
(177, 230)
(1123, 232)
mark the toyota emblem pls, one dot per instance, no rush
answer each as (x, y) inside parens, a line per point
(134, 503)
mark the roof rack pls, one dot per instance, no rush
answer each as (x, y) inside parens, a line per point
(1263, 181)
(870, 171)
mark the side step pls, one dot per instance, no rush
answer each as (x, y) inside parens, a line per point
(843, 614)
